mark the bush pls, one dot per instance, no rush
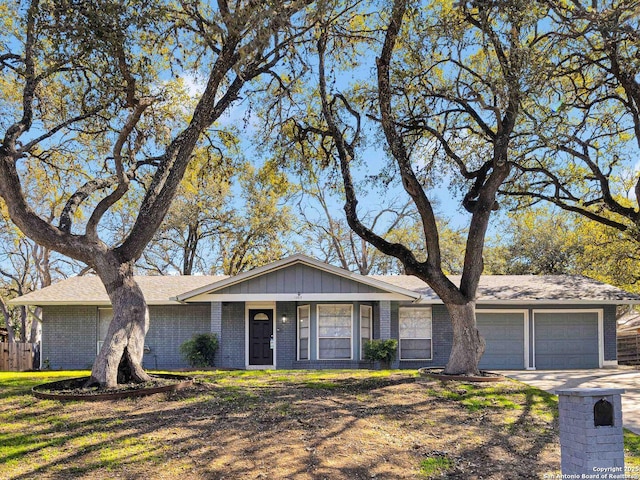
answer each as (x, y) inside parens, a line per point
(381, 350)
(200, 350)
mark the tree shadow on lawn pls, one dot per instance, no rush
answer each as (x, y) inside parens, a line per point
(528, 440)
(343, 428)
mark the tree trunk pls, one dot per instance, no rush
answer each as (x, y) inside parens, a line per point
(120, 358)
(7, 321)
(35, 323)
(468, 344)
(23, 323)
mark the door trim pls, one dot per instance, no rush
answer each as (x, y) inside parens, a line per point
(259, 306)
(598, 311)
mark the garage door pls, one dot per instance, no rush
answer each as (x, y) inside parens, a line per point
(566, 340)
(503, 333)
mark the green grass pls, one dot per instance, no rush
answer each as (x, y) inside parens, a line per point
(41, 432)
(21, 383)
(476, 397)
(435, 466)
(631, 449)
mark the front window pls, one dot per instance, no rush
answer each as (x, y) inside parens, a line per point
(105, 315)
(334, 332)
(365, 327)
(303, 332)
(415, 334)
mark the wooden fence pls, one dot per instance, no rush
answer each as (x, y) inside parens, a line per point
(16, 357)
(629, 349)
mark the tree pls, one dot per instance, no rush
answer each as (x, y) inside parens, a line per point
(544, 241)
(329, 233)
(450, 86)
(202, 209)
(536, 242)
(225, 223)
(258, 233)
(26, 266)
(584, 137)
(82, 82)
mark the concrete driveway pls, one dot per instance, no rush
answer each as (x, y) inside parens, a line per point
(621, 377)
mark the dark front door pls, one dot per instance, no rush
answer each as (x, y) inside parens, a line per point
(260, 337)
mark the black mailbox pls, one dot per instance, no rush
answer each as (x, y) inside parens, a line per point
(603, 413)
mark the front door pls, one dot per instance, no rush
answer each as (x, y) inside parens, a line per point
(261, 337)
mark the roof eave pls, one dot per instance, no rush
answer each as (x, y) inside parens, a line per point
(586, 301)
(86, 303)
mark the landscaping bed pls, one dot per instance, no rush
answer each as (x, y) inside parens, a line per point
(76, 389)
(295, 425)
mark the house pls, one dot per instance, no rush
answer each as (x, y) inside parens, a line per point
(301, 313)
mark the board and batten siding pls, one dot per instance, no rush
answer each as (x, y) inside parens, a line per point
(298, 279)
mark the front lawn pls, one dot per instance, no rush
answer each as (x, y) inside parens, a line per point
(277, 424)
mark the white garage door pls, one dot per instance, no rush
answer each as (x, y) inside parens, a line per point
(504, 335)
(565, 340)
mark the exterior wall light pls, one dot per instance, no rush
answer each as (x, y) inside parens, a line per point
(284, 318)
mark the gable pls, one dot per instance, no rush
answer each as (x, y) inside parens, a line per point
(298, 278)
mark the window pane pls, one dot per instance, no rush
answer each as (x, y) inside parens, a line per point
(415, 349)
(334, 348)
(303, 332)
(331, 331)
(365, 327)
(334, 321)
(334, 331)
(105, 315)
(304, 349)
(415, 323)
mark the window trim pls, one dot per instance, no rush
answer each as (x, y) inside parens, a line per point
(370, 307)
(400, 338)
(308, 307)
(318, 337)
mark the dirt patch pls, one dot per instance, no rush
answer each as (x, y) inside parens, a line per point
(296, 426)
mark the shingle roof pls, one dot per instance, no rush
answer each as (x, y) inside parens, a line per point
(508, 289)
(527, 289)
(89, 290)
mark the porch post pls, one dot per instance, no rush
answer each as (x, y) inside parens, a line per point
(385, 319)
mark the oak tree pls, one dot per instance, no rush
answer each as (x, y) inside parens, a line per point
(81, 83)
(583, 141)
(449, 87)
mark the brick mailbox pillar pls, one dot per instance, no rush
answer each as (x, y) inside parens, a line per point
(591, 437)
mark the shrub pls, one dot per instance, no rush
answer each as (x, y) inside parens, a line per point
(381, 350)
(200, 350)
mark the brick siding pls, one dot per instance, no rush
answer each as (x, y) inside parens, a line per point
(232, 343)
(286, 335)
(69, 337)
(169, 327)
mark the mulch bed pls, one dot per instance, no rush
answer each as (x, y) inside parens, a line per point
(74, 388)
(438, 374)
